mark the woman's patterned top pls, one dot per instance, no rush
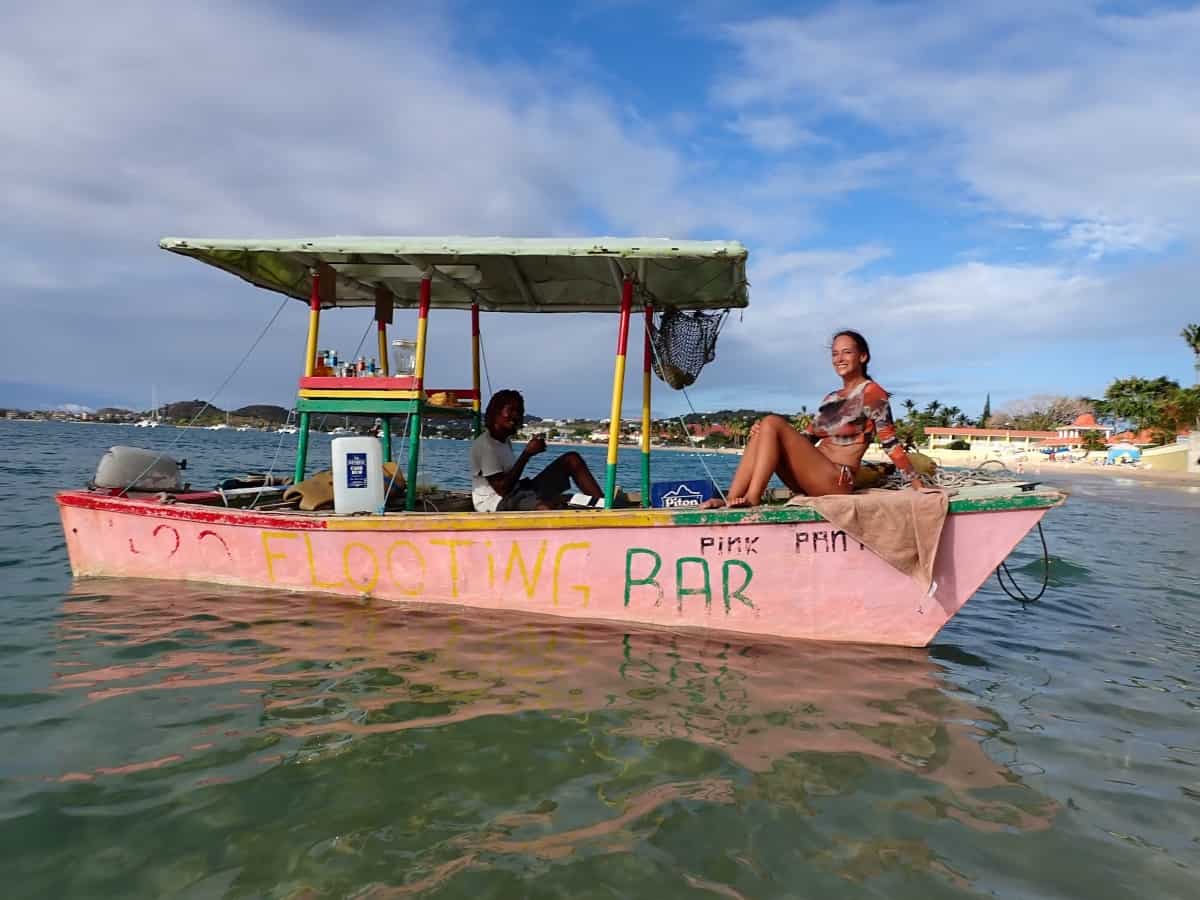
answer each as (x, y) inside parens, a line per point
(853, 417)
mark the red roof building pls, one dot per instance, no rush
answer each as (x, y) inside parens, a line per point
(1084, 422)
(1143, 438)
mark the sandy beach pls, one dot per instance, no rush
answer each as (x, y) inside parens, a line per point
(1135, 472)
(1039, 464)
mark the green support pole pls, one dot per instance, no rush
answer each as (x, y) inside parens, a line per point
(301, 449)
(386, 435)
(646, 480)
(414, 451)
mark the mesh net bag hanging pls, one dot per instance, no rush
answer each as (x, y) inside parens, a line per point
(685, 341)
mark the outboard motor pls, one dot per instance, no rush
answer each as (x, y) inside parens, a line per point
(135, 469)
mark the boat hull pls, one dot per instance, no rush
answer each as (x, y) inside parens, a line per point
(780, 573)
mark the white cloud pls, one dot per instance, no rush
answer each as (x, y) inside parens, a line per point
(821, 264)
(773, 133)
(135, 120)
(215, 118)
(1059, 110)
(131, 121)
(1100, 237)
(1016, 324)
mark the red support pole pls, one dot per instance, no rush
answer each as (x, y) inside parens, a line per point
(314, 322)
(647, 350)
(476, 422)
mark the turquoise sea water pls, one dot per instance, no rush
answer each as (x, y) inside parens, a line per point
(192, 741)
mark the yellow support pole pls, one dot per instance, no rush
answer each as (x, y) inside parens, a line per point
(414, 424)
(383, 349)
(384, 306)
(614, 422)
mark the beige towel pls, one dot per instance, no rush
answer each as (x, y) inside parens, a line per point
(901, 527)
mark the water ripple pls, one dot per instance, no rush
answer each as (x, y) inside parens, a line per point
(161, 739)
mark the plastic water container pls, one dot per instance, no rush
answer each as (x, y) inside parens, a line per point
(357, 475)
(404, 357)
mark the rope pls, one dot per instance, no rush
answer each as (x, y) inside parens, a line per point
(270, 470)
(945, 478)
(1020, 596)
(983, 475)
(486, 374)
(208, 403)
(396, 472)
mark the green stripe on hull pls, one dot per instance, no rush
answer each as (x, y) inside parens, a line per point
(784, 514)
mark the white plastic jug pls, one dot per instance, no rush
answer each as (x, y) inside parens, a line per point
(404, 357)
(357, 475)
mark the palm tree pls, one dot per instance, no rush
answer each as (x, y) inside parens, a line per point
(802, 419)
(738, 429)
(909, 408)
(1191, 334)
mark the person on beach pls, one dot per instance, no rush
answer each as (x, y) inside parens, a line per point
(823, 458)
(496, 482)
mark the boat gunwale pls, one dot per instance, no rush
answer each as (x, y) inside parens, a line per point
(564, 520)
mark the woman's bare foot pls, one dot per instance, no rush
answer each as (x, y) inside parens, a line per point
(714, 503)
(739, 502)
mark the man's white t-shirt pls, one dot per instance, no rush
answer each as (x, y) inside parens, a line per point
(488, 457)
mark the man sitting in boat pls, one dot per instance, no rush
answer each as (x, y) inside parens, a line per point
(496, 482)
(823, 458)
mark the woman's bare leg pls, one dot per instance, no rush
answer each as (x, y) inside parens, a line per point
(745, 469)
(739, 493)
(741, 476)
(784, 451)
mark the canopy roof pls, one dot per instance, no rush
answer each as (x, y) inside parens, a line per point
(504, 274)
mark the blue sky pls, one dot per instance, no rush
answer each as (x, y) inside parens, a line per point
(1004, 200)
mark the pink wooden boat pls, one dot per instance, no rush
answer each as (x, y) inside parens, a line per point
(779, 571)
(767, 571)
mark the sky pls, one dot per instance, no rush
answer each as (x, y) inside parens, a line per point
(1004, 198)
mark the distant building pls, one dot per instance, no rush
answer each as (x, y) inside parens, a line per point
(1144, 438)
(1084, 423)
(983, 440)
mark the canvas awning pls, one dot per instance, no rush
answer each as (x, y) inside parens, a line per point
(500, 274)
